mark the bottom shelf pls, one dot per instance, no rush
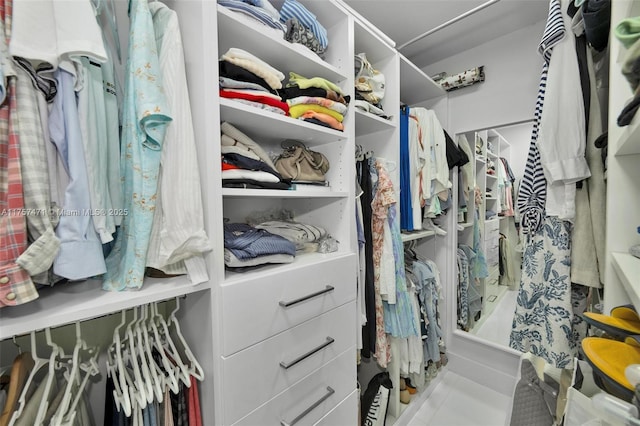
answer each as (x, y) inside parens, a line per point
(408, 411)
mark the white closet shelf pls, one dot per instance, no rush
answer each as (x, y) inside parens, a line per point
(629, 141)
(277, 193)
(415, 85)
(627, 268)
(465, 225)
(269, 45)
(302, 261)
(492, 176)
(79, 301)
(416, 235)
(367, 123)
(491, 154)
(271, 128)
(492, 199)
(480, 159)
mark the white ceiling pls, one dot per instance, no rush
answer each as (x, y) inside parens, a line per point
(403, 20)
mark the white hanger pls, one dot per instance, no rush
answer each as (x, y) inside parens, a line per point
(56, 351)
(117, 371)
(39, 362)
(157, 378)
(139, 355)
(171, 379)
(181, 369)
(195, 369)
(129, 355)
(77, 364)
(91, 369)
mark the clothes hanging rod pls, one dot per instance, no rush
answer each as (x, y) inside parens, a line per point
(449, 22)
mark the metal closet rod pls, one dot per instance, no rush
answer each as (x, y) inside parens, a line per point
(449, 22)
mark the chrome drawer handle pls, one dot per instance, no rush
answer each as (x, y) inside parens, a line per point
(327, 289)
(330, 392)
(326, 343)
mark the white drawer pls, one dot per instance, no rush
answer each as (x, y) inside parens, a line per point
(253, 376)
(312, 397)
(491, 226)
(257, 309)
(346, 413)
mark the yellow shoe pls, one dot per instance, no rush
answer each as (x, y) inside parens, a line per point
(609, 358)
(622, 322)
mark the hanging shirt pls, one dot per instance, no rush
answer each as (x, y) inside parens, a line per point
(533, 189)
(16, 286)
(54, 31)
(144, 123)
(39, 256)
(91, 111)
(178, 239)
(80, 254)
(562, 136)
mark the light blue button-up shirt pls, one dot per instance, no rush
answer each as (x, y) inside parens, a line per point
(80, 255)
(144, 121)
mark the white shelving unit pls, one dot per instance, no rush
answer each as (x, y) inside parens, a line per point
(623, 181)
(491, 147)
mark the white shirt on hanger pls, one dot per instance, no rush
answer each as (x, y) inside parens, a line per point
(51, 31)
(562, 135)
(178, 239)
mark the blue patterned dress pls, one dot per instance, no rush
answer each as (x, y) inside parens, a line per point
(544, 321)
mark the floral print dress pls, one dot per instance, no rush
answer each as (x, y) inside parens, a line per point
(544, 321)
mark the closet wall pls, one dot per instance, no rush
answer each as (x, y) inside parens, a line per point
(508, 94)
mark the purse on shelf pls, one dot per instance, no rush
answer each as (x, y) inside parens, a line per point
(299, 163)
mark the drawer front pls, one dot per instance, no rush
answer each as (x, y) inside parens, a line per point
(346, 413)
(253, 376)
(309, 400)
(258, 309)
(491, 226)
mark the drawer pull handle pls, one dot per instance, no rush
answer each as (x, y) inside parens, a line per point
(330, 392)
(327, 289)
(324, 344)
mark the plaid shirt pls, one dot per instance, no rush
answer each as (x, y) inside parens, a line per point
(16, 286)
(38, 258)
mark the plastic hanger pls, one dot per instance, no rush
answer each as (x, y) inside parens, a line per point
(80, 352)
(139, 355)
(169, 347)
(157, 377)
(171, 379)
(91, 369)
(195, 369)
(129, 355)
(116, 369)
(56, 352)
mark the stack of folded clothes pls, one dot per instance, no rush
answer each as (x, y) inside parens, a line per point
(306, 237)
(247, 79)
(246, 246)
(315, 100)
(260, 10)
(245, 164)
(303, 27)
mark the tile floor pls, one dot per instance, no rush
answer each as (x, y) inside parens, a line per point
(458, 401)
(497, 327)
